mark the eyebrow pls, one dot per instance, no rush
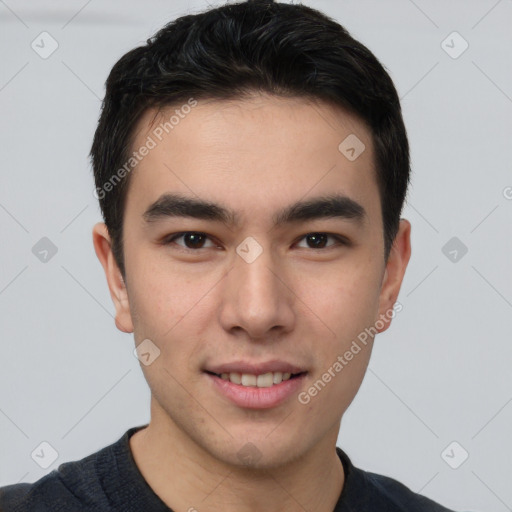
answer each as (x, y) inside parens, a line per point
(331, 206)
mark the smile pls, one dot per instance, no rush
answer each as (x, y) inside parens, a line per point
(265, 380)
(251, 391)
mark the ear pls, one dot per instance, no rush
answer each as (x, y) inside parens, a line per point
(102, 246)
(394, 273)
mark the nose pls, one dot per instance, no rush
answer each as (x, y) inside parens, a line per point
(257, 299)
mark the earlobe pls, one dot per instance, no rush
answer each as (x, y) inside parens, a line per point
(394, 273)
(115, 281)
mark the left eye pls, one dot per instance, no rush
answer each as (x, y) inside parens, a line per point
(319, 240)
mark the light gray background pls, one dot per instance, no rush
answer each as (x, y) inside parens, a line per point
(442, 371)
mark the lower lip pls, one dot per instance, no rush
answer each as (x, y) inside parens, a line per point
(252, 397)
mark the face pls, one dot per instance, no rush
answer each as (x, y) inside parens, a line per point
(266, 259)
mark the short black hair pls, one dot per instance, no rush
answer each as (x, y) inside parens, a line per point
(229, 52)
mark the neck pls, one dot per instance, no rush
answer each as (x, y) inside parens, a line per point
(187, 477)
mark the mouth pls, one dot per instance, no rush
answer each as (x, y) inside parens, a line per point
(252, 387)
(263, 380)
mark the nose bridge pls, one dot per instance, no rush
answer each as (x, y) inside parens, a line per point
(256, 298)
(257, 280)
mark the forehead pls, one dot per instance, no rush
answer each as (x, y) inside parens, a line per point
(253, 153)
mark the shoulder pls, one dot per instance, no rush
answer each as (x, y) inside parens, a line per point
(73, 486)
(400, 497)
(370, 491)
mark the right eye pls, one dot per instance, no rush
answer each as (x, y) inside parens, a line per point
(192, 240)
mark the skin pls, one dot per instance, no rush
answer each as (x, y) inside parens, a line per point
(295, 302)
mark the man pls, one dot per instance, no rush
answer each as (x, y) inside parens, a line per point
(251, 164)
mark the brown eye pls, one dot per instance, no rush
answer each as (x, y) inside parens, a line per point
(190, 240)
(319, 240)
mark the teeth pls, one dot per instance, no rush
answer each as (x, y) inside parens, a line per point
(235, 378)
(264, 380)
(249, 380)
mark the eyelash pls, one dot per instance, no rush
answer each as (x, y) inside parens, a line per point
(341, 241)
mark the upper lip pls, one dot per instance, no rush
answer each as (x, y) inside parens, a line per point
(253, 368)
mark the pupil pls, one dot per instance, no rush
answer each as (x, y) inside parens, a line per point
(317, 239)
(194, 240)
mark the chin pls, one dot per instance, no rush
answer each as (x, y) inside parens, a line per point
(258, 452)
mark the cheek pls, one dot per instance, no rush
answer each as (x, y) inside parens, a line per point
(167, 308)
(159, 296)
(347, 300)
